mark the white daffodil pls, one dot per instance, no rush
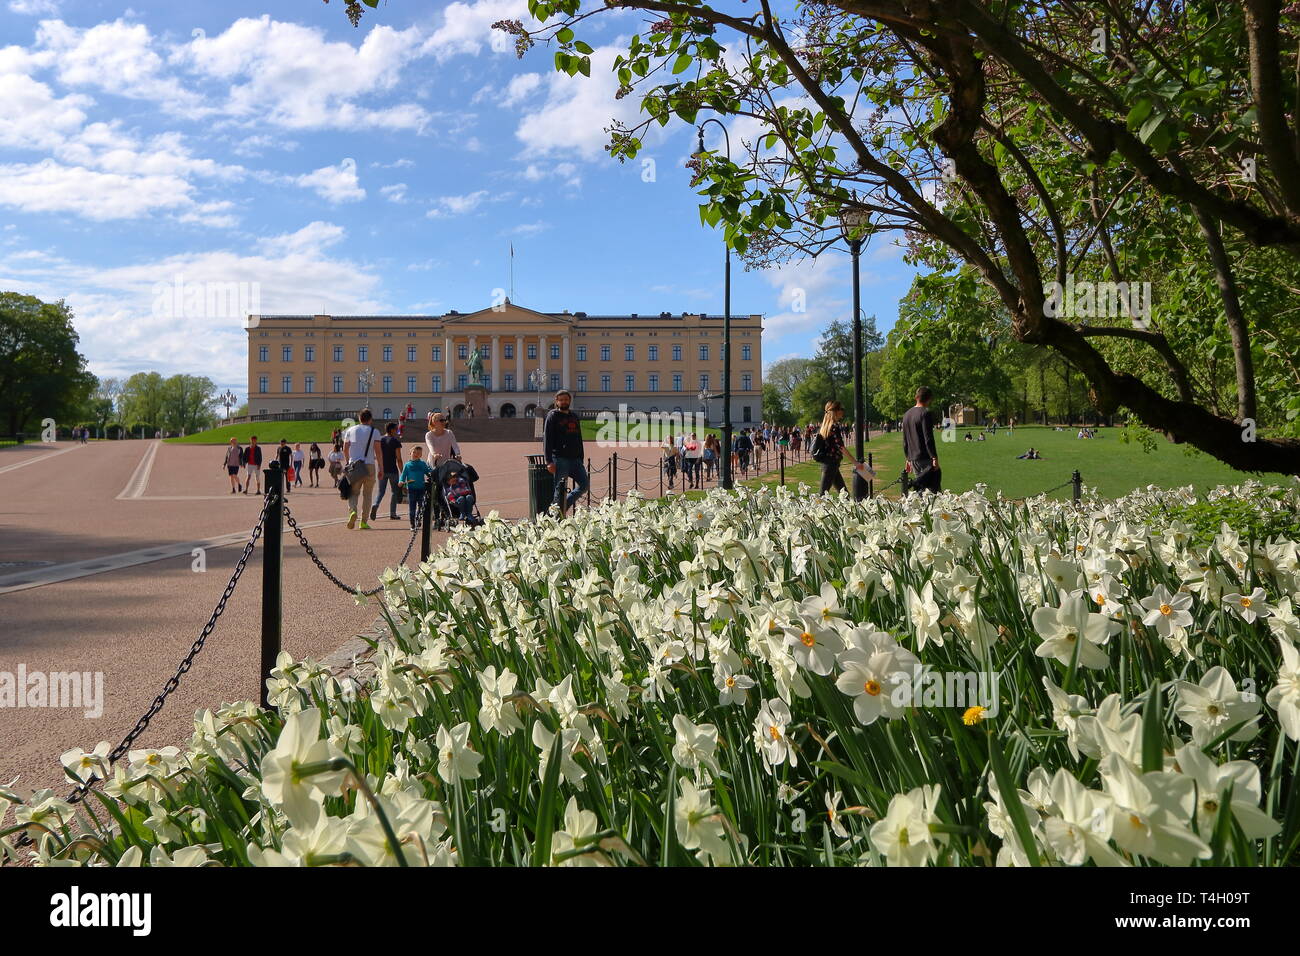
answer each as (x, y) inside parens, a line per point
(1285, 695)
(870, 678)
(695, 745)
(1152, 815)
(1066, 711)
(1167, 612)
(1248, 606)
(833, 814)
(699, 824)
(285, 782)
(85, 766)
(924, 614)
(1216, 704)
(1079, 829)
(733, 687)
(495, 712)
(813, 644)
(1212, 784)
(570, 739)
(1071, 629)
(904, 836)
(456, 760)
(579, 828)
(770, 734)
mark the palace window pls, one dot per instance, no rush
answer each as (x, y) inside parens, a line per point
(388, 383)
(582, 353)
(309, 353)
(338, 353)
(388, 353)
(604, 383)
(629, 353)
(532, 350)
(263, 354)
(286, 383)
(704, 353)
(309, 384)
(746, 382)
(437, 353)
(338, 383)
(286, 353)
(363, 353)
(604, 353)
(462, 352)
(261, 383)
(629, 383)
(654, 353)
(746, 351)
(654, 383)
(410, 355)
(677, 353)
(435, 383)
(582, 383)
(677, 382)
(410, 383)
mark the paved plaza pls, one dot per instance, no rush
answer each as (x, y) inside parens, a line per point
(96, 574)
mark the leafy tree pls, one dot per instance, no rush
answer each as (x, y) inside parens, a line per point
(144, 399)
(42, 375)
(775, 407)
(187, 403)
(811, 395)
(786, 374)
(1019, 144)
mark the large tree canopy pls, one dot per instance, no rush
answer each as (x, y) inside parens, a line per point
(1023, 144)
(42, 375)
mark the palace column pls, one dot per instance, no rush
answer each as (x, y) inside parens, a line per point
(541, 353)
(519, 362)
(446, 381)
(496, 361)
(564, 352)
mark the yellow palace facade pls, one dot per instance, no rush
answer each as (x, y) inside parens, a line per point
(324, 363)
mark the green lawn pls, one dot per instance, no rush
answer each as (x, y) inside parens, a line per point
(591, 432)
(268, 433)
(1106, 463)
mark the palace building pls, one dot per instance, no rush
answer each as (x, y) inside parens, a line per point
(321, 363)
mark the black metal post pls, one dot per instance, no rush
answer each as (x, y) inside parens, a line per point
(636, 473)
(426, 525)
(859, 483)
(588, 482)
(613, 477)
(727, 478)
(905, 483)
(783, 466)
(661, 477)
(272, 573)
(871, 485)
(1076, 480)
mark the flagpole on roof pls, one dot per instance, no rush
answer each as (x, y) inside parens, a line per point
(512, 271)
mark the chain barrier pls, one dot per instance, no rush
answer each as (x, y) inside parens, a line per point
(315, 558)
(141, 725)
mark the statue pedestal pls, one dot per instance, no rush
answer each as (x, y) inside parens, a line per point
(476, 404)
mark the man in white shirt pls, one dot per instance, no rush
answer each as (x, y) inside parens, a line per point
(360, 443)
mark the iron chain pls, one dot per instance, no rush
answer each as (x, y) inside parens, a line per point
(311, 553)
(174, 681)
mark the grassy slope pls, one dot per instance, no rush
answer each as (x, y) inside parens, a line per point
(1106, 463)
(268, 433)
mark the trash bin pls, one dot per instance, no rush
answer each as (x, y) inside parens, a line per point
(541, 485)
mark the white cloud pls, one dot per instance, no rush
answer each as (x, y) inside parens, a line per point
(335, 184)
(395, 164)
(521, 88)
(35, 8)
(48, 186)
(811, 293)
(117, 58)
(577, 109)
(467, 28)
(394, 193)
(529, 228)
(566, 171)
(458, 205)
(117, 314)
(32, 117)
(290, 75)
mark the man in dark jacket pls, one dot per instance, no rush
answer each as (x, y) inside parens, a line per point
(743, 447)
(918, 443)
(284, 455)
(562, 446)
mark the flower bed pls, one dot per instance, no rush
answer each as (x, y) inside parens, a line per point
(762, 678)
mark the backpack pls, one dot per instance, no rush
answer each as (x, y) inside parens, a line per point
(243, 456)
(818, 450)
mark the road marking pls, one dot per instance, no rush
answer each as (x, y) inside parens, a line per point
(140, 479)
(32, 461)
(39, 577)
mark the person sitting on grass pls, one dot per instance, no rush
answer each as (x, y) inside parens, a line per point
(1032, 454)
(969, 437)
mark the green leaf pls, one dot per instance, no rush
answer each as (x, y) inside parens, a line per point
(565, 35)
(1011, 801)
(546, 805)
(582, 47)
(682, 62)
(1153, 732)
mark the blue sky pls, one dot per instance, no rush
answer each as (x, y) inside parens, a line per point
(380, 170)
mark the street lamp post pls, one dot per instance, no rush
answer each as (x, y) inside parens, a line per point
(855, 222)
(726, 331)
(228, 399)
(366, 379)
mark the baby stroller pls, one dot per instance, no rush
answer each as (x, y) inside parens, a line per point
(443, 516)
